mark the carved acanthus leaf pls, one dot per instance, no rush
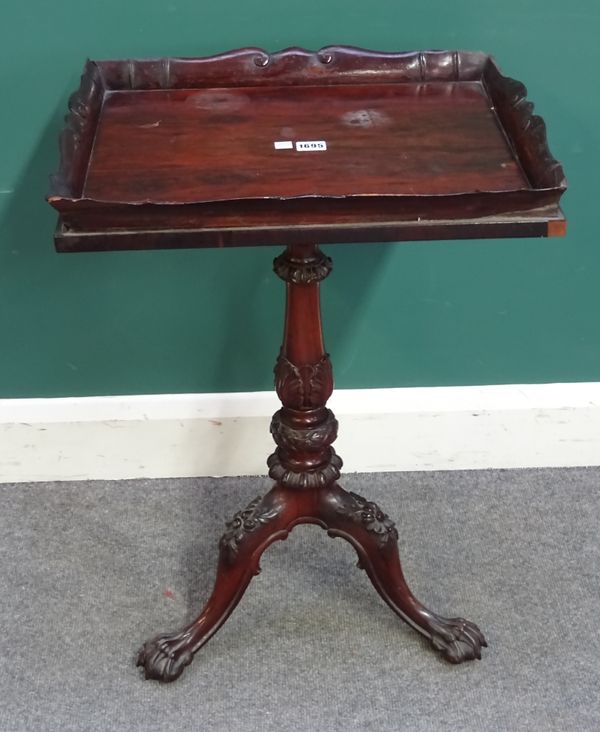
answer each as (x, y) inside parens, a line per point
(303, 387)
(302, 271)
(318, 478)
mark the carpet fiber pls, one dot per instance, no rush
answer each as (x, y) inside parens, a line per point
(89, 570)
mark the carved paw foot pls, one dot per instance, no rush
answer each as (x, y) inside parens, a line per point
(457, 639)
(164, 658)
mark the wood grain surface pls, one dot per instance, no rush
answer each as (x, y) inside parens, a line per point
(419, 145)
(218, 144)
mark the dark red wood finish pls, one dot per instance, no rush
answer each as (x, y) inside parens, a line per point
(305, 468)
(218, 145)
(180, 152)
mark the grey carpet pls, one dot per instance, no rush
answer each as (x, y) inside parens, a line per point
(90, 570)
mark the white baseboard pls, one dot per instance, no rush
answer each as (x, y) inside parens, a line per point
(182, 435)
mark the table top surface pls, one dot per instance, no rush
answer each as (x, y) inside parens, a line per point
(248, 148)
(220, 144)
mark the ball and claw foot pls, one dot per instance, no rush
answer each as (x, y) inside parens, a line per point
(164, 658)
(457, 639)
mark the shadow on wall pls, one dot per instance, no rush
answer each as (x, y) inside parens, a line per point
(29, 271)
(27, 218)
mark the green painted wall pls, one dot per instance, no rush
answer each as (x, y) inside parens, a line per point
(395, 315)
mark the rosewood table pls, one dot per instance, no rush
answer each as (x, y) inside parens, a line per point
(301, 149)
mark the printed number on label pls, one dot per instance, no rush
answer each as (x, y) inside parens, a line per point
(311, 145)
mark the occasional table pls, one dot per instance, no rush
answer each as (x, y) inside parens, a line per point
(300, 149)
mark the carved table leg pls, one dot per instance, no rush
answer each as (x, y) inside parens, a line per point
(247, 535)
(374, 536)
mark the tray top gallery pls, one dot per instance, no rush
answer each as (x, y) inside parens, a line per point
(332, 138)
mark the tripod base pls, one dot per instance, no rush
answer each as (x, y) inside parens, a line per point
(340, 513)
(305, 469)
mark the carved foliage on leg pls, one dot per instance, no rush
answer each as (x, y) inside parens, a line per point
(371, 517)
(456, 639)
(165, 657)
(256, 514)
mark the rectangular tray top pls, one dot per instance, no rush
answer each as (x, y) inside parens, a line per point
(219, 144)
(338, 145)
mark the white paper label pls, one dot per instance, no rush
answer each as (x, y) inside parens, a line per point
(283, 145)
(311, 145)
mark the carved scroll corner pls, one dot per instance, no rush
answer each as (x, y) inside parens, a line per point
(527, 125)
(83, 106)
(325, 55)
(261, 58)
